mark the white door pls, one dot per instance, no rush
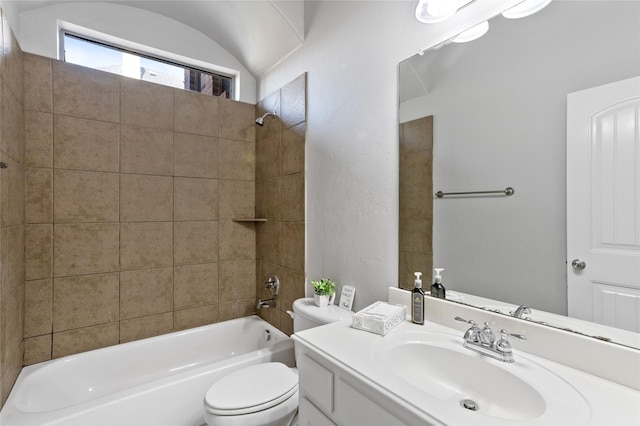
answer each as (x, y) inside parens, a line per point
(603, 204)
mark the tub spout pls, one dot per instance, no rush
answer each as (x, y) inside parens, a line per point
(269, 303)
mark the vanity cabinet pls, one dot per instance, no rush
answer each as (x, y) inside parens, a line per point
(330, 394)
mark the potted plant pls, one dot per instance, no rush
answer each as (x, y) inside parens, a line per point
(324, 291)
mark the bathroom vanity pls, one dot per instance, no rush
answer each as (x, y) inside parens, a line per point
(422, 374)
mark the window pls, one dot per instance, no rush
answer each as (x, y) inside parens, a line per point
(93, 54)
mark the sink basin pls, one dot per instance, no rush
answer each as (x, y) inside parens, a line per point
(436, 364)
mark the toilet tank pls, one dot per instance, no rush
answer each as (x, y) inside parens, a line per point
(308, 315)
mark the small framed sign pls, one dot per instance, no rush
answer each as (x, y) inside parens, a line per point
(346, 297)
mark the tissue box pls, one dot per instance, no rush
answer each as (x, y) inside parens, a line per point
(379, 318)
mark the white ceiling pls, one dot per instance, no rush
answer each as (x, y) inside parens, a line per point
(259, 33)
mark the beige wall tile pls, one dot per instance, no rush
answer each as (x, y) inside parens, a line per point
(237, 199)
(146, 245)
(87, 248)
(417, 168)
(293, 245)
(85, 300)
(195, 113)
(11, 260)
(38, 251)
(12, 325)
(38, 308)
(146, 151)
(195, 242)
(237, 280)
(12, 123)
(292, 287)
(269, 242)
(146, 292)
(195, 285)
(85, 339)
(86, 93)
(195, 156)
(38, 138)
(12, 59)
(269, 163)
(417, 236)
(195, 317)
(270, 199)
(417, 202)
(272, 125)
(82, 144)
(237, 240)
(146, 104)
(38, 195)
(144, 327)
(237, 120)
(195, 199)
(417, 135)
(237, 160)
(37, 349)
(293, 102)
(293, 148)
(11, 192)
(85, 196)
(293, 198)
(146, 198)
(12, 362)
(236, 309)
(38, 93)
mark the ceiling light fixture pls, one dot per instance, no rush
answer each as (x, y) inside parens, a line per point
(526, 8)
(433, 11)
(472, 33)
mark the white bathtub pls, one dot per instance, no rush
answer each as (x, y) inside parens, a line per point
(157, 381)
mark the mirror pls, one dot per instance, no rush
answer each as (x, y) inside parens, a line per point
(499, 120)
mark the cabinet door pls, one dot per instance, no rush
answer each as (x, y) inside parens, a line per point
(353, 407)
(309, 415)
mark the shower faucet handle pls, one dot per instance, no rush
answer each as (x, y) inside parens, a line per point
(273, 285)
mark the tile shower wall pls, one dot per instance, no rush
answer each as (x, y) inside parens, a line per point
(11, 210)
(416, 201)
(280, 186)
(131, 192)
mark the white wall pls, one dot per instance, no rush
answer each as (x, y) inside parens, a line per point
(37, 32)
(351, 54)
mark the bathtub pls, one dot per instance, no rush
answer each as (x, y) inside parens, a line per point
(157, 381)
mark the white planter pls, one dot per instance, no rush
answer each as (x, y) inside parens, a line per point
(323, 300)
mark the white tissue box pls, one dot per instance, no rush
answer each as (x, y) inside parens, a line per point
(379, 317)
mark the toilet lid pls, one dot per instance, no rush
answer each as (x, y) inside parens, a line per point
(251, 389)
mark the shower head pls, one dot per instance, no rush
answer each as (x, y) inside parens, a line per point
(260, 120)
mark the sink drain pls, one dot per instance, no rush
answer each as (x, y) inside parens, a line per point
(469, 404)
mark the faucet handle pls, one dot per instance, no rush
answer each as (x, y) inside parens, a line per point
(472, 322)
(503, 344)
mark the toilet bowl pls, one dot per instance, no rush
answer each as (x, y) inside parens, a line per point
(265, 394)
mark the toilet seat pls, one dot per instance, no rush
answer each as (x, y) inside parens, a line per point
(251, 389)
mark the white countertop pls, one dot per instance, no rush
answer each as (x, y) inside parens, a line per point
(609, 403)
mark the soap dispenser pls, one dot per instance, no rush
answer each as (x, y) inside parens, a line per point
(437, 289)
(417, 301)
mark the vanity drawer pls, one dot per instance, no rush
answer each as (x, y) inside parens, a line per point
(317, 383)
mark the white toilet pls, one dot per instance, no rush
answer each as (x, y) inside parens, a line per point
(265, 394)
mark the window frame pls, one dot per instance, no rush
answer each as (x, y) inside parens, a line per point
(139, 51)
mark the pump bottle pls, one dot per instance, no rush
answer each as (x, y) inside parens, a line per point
(417, 301)
(437, 289)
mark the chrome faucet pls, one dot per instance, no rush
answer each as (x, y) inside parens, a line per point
(520, 311)
(269, 303)
(483, 341)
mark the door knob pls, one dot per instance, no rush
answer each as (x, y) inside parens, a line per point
(578, 264)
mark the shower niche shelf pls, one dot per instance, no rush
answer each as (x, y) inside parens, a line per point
(250, 219)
